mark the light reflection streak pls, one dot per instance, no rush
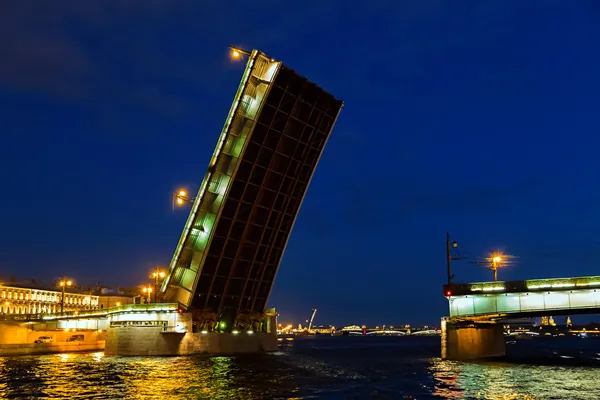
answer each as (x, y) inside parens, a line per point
(498, 381)
(290, 374)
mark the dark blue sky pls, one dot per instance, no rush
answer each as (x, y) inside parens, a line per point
(476, 117)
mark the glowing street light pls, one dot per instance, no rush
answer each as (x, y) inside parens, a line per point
(63, 284)
(148, 291)
(181, 197)
(498, 260)
(157, 274)
(237, 53)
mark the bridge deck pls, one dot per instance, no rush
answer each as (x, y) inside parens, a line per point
(525, 298)
(94, 314)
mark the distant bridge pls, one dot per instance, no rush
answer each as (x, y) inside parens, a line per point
(530, 298)
(357, 330)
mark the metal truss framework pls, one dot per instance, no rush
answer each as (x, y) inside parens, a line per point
(225, 263)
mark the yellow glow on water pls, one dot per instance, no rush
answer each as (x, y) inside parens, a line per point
(81, 375)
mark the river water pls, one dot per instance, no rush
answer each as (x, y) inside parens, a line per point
(317, 368)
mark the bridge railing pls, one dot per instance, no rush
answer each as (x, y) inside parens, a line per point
(152, 307)
(20, 317)
(531, 285)
(525, 303)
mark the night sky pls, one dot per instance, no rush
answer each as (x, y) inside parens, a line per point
(475, 117)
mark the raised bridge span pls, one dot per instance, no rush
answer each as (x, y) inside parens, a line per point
(239, 224)
(224, 265)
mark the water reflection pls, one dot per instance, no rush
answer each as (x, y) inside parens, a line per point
(500, 381)
(327, 368)
(91, 376)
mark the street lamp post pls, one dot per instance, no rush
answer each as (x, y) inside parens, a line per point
(156, 275)
(449, 257)
(496, 260)
(148, 291)
(237, 53)
(63, 283)
(181, 198)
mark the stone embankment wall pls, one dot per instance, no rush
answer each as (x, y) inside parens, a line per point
(140, 340)
(153, 341)
(19, 339)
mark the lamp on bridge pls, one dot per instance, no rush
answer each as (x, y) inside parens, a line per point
(181, 198)
(148, 291)
(237, 53)
(157, 274)
(63, 284)
(498, 260)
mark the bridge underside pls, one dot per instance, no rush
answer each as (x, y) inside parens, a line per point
(229, 253)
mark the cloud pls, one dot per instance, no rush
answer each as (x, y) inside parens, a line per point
(34, 57)
(67, 50)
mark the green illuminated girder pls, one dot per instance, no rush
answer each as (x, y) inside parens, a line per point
(552, 296)
(533, 284)
(185, 268)
(530, 303)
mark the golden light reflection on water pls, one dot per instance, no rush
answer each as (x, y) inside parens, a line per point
(97, 356)
(319, 373)
(93, 375)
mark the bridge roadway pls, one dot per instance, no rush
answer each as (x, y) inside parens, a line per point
(530, 298)
(132, 314)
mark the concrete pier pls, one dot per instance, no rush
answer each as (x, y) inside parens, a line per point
(152, 341)
(134, 330)
(172, 334)
(471, 340)
(18, 338)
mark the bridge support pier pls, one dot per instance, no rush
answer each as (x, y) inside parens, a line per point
(145, 334)
(471, 340)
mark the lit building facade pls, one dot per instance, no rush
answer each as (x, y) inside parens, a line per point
(114, 301)
(22, 300)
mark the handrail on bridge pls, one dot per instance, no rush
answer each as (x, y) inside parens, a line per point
(152, 307)
(550, 284)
